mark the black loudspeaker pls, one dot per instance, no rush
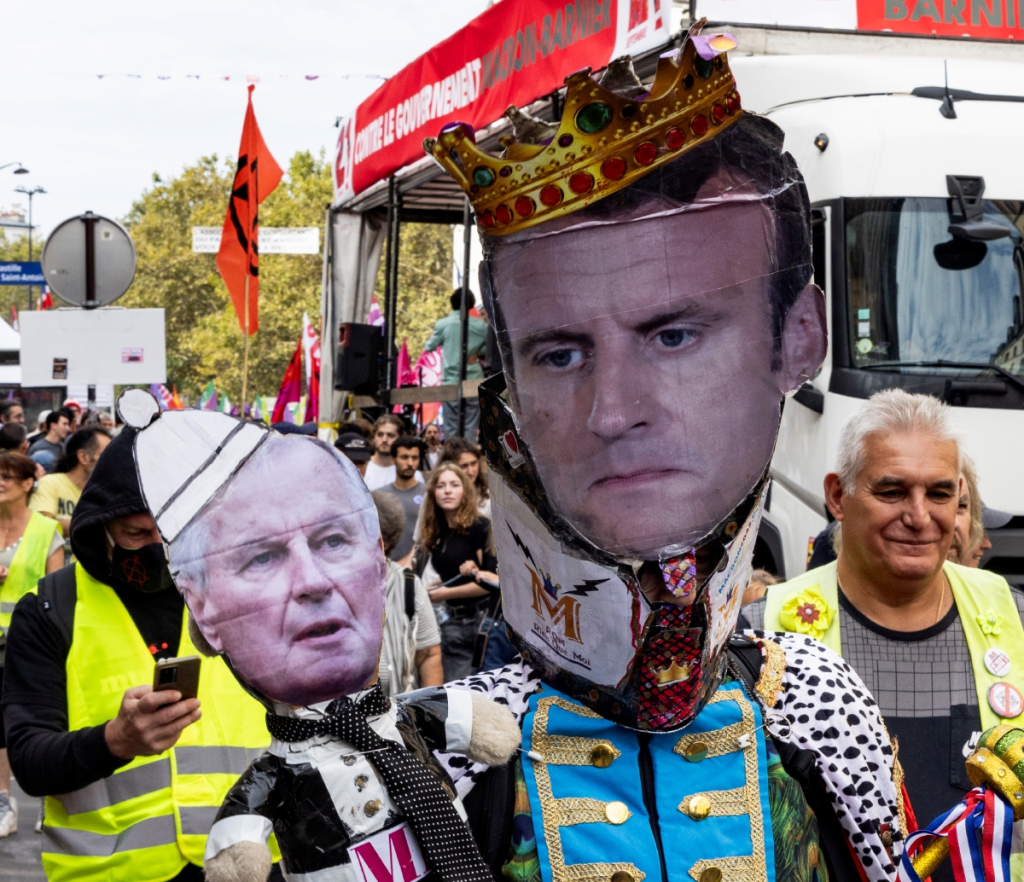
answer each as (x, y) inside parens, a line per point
(360, 361)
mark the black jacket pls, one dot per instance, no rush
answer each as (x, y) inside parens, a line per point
(46, 758)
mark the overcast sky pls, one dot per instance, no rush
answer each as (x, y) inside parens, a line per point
(94, 144)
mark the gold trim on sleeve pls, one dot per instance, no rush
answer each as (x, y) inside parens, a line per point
(769, 684)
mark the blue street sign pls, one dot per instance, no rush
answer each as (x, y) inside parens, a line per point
(22, 274)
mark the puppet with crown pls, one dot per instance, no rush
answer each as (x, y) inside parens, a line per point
(647, 268)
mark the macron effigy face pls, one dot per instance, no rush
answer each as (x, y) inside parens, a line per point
(648, 396)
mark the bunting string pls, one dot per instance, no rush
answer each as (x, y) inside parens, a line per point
(245, 78)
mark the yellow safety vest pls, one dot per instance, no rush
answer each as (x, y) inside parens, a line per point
(988, 615)
(152, 816)
(28, 566)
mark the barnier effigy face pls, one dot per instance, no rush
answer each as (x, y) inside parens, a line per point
(274, 542)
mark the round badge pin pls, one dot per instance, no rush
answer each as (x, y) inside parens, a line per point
(997, 662)
(1006, 700)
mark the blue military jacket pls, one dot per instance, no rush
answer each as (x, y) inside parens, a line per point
(602, 796)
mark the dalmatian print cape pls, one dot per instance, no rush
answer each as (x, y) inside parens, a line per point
(828, 710)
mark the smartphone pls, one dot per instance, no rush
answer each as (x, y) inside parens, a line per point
(178, 673)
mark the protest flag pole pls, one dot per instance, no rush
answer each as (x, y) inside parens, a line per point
(245, 351)
(257, 175)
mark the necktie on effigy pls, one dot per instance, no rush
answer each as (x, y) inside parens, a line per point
(440, 831)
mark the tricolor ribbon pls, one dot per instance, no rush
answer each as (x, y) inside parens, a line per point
(979, 831)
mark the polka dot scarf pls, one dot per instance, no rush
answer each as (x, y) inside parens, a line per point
(442, 834)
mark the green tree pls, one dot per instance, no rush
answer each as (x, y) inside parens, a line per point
(204, 341)
(424, 282)
(14, 248)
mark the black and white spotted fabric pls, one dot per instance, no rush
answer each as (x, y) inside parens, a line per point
(828, 710)
(510, 686)
(831, 712)
(441, 833)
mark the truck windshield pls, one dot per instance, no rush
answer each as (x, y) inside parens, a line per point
(917, 294)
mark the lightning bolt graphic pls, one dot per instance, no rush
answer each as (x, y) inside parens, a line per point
(587, 586)
(521, 544)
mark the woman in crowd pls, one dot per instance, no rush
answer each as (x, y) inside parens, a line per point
(467, 456)
(458, 540)
(31, 546)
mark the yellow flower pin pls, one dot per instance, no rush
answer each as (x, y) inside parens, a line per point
(807, 613)
(991, 622)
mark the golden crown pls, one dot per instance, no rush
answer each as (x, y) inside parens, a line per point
(613, 131)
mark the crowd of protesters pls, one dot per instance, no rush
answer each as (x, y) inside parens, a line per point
(894, 585)
(435, 506)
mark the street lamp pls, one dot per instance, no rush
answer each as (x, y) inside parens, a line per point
(20, 170)
(30, 194)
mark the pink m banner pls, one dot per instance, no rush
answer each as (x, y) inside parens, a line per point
(391, 856)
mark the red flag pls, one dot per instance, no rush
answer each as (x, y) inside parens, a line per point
(176, 401)
(406, 375)
(291, 385)
(428, 373)
(238, 258)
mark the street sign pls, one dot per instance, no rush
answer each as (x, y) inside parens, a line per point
(273, 240)
(22, 274)
(92, 347)
(89, 260)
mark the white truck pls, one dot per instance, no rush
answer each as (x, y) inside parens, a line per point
(917, 191)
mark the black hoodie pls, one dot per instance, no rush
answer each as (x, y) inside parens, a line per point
(46, 758)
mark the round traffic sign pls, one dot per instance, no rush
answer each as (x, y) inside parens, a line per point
(76, 267)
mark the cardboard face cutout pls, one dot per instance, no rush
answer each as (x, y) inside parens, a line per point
(649, 337)
(643, 382)
(274, 542)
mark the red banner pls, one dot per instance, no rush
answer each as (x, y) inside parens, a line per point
(992, 19)
(984, 19)
(513, 53)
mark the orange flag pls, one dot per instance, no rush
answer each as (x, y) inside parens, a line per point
(238, 258)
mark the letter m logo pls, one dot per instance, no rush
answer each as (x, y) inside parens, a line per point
(563, 613)
(390, 856)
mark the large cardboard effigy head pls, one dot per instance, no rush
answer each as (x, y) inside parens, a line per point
(647, 269)
(274, 542)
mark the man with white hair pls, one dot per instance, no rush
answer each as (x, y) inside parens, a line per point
(940, 646)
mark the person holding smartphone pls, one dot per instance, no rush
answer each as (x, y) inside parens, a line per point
(123, 767)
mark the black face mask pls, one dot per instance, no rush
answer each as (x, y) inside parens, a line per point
(142, 569)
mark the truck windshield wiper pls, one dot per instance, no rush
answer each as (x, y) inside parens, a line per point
(946, 363)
